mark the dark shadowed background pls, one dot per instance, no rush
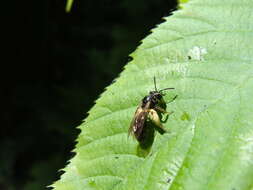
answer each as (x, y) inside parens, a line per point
(57, 65)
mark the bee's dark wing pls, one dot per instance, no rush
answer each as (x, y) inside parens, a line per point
(137, 112)
(138, 122)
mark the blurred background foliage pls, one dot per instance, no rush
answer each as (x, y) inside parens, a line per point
(58, 64)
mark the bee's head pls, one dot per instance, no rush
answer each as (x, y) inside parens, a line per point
(156, 95)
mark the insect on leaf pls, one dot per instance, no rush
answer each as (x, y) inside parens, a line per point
(205, 51)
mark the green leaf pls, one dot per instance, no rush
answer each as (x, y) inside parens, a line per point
(69, 5)
(205, 51)
(183, 1)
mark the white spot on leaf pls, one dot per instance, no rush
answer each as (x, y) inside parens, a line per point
(197, 53)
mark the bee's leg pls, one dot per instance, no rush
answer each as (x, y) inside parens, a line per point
(157, 108)
(154, 117)
(172, 99)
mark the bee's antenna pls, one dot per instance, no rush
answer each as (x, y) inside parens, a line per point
(166, 89)
(155, 84)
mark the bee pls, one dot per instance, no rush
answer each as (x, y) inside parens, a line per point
(150, 109)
